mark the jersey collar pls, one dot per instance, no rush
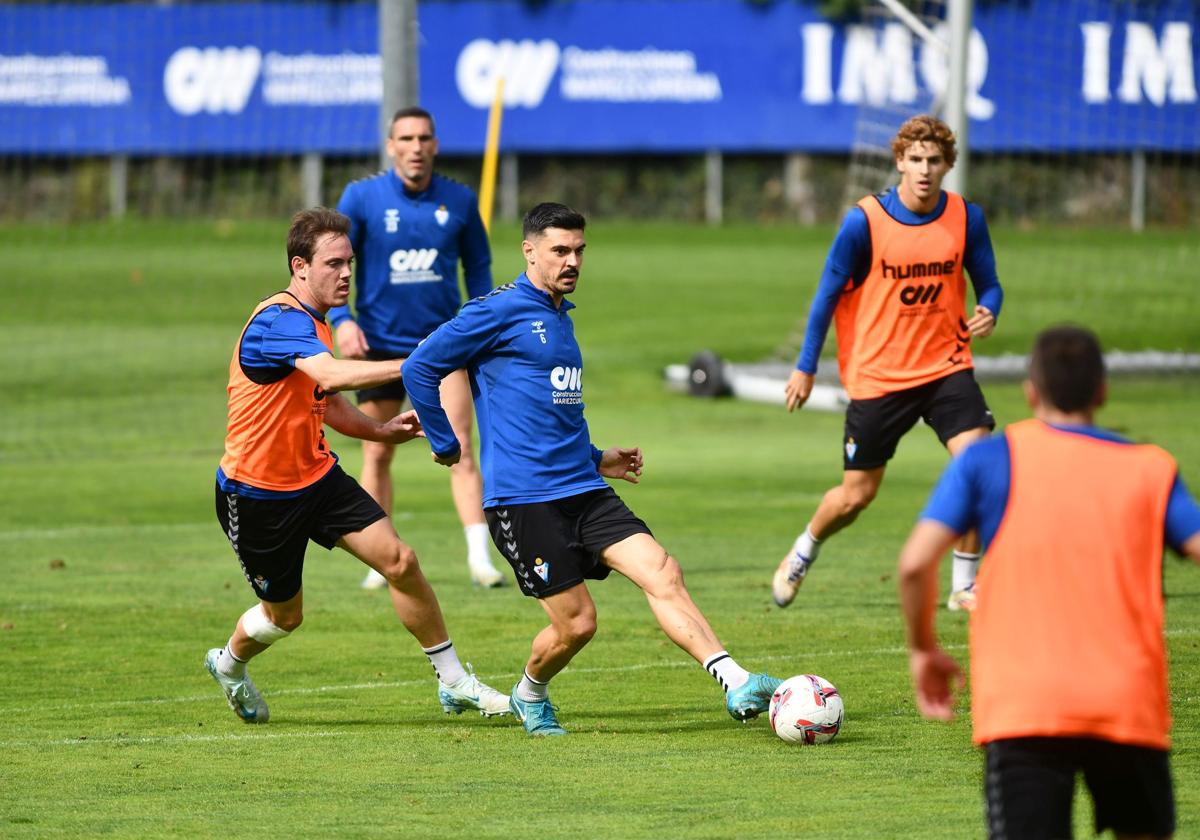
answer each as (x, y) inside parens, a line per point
(404, 191)
(526, 285)
(313, 312)
(896, 209)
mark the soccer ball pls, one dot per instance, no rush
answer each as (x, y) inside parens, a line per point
(806, 710)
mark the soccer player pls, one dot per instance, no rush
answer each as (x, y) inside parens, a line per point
(551, 513)
(279, 485)
(893, 285)
(1068, 662)
(409, 228)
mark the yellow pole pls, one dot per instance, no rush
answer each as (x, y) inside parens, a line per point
(487, 181)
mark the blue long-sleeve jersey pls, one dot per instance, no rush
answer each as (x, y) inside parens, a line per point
(973, 491)
(850, 257)
(527, 380)
(407, 246)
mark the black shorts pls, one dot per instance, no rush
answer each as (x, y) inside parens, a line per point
(555, 545)
(387, 391)
(951, 405)
(269, 536)
(1030, 782)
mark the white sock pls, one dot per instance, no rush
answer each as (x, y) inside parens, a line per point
(530, 690)
(726, 671)
(478, 540)
(963, 572)
(807, 546)
(230, 665)
(444, 660)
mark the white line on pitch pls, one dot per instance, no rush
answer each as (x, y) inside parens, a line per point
(371, 686)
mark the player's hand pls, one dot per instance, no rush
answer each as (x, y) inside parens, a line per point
(936, 677)
(798, 389)
(446, 460)
(982, 323)
(402, 428)
(621, 463)
(351, 342)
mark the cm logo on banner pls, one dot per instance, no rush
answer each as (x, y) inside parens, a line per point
(214, 79)
(526, 67)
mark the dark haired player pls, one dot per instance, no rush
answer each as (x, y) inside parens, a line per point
(1068, 659)
(551, 512)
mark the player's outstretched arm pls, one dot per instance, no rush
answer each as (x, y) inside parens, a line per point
(935, 674)
(344, 416)
(625, 464)
(402, 428)
(470, 335)
(347, 374)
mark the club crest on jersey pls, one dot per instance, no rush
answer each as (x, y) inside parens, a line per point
(442, 215)
(391, 220)
(542, 568)
(851, 448)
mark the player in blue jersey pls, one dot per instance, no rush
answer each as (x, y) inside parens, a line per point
(551, 512)
(1068, 658)
(903, 339)
(410, 227)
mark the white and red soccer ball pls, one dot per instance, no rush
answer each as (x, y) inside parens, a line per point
(806, 710)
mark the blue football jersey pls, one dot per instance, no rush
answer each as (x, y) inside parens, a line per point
(407, 247)
(527, 379)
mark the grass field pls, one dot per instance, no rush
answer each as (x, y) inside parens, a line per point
(116, 577)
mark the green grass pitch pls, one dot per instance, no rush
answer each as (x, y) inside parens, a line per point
(116, 577)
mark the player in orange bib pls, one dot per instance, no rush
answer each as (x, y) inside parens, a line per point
(1068, 659)
(279, 485)
(894, 287)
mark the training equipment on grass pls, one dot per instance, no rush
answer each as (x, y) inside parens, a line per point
(806, 710)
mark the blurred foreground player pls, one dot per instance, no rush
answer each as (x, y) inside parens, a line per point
(1068, 660)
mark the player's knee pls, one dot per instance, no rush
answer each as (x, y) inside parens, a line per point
(377, 454)
(670, 574)
(403, 564)
(665, 575)
(580, 629)
(269, 629)
(289, 622)
(856, 500)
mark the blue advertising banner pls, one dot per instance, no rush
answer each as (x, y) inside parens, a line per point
(584, 76)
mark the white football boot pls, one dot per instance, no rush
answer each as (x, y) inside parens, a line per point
(244, 697)
(471, 693)
(788, 578)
